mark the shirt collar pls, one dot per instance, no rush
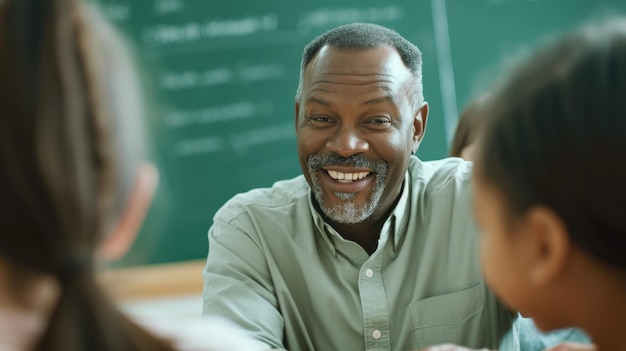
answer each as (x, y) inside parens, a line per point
(393, 229)
(400, 216)
(323, 228)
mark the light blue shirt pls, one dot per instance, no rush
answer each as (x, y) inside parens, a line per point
(524, 336)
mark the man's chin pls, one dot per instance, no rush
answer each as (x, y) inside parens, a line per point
(346, 213)
(345, 196)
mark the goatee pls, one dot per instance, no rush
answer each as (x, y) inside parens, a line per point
(347, 212)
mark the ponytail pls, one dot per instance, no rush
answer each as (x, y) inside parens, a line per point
(85, 319)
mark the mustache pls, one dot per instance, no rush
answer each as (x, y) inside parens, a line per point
(318, 161)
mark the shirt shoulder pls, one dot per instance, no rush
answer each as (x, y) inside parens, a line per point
(440, 174)
(282, 193)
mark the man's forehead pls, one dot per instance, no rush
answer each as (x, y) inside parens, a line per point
(383, 61)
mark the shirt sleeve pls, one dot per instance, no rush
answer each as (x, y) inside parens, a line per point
(237, 281)
(524, 336)
(210, 334)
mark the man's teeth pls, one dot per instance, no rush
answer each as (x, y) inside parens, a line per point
(347, 177)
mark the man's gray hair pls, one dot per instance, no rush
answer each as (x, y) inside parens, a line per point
(358, 36)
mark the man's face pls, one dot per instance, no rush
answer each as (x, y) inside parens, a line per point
(357, 125)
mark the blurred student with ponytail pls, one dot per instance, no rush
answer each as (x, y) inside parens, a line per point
(74, 182)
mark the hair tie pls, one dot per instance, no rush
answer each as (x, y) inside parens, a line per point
(72, 269)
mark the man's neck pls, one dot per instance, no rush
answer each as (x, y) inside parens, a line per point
(364, 234)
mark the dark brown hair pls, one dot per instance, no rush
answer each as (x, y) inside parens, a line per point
(557, 137)
(470, 122)
(66, 115)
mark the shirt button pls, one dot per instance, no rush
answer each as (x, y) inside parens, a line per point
(376, 334)
(369, 273)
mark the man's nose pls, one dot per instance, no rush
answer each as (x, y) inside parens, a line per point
(347, 142)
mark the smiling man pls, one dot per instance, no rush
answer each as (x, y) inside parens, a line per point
(371, 248)
(357, 126)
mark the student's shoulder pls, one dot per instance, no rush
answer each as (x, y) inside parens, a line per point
(282, 193)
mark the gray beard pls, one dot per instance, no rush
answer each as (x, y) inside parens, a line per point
(347, 212)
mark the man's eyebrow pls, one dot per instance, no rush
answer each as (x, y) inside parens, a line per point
(313, 99)
(378, 100)
(386, 97)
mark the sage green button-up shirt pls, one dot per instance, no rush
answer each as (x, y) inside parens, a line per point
(278, 270)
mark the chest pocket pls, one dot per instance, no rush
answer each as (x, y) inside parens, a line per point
(451, 318)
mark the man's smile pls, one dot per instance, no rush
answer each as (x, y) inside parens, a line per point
(347, 177)
(342, 179)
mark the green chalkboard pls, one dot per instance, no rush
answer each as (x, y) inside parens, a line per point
(223, 75)
(487, 36)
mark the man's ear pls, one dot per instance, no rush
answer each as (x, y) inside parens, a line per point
(419, 125)
(120, 239)
(550, 247)
(297, 110)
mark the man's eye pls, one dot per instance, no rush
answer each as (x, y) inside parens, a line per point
(321, 119)
(379, 121)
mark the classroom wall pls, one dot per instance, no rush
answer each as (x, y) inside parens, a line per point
(221, 79)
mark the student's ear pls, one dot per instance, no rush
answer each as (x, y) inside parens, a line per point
(550, 245)
(119, 241)
(419, 125)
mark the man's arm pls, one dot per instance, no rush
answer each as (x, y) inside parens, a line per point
(237, 281)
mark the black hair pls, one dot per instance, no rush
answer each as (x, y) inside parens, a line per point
(469, 125)
(556, 137)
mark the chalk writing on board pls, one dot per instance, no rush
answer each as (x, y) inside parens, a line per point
(199, 146)
(329, 17)
(174, 81)
(224, 113)
(162, 7)
(175, 33)
(260, 72)
(239, 143)
(242, 73)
